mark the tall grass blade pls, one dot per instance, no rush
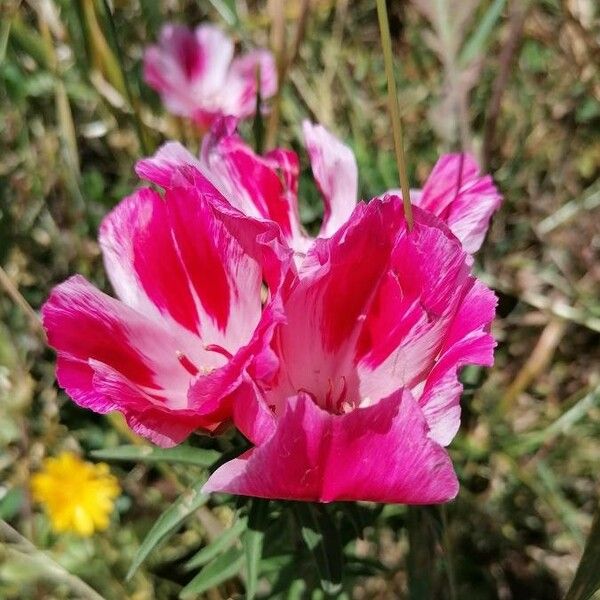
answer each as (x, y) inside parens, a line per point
(587, 578)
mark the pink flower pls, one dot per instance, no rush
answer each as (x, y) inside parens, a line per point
(189, 326)
(378, 322)
(266, 187)
(197, 77)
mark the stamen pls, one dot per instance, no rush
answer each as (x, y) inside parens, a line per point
(186, 363)
(344, 390)
(346, 407)
(264, 293)
(329, 395)
(219, 350)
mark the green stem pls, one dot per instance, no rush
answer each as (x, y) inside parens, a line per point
(447, 543)
(11, 289)
(386, 43)
(51, 567)
(421, 554)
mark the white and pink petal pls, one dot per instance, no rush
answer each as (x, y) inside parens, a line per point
(461, 197)
(336, 174)
(381, 453)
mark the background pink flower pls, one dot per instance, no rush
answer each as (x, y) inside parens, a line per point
(197, 77)
(189, 323)
(378, 323)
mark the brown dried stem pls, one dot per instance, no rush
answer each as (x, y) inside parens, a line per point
(518, 14)
(11, 289)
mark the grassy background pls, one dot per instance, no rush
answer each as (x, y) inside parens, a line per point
(75, 116)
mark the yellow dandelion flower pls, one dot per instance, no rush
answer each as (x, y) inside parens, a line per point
(77, 495)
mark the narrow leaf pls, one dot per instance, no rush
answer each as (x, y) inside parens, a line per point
(10, 503)
(253, 543)
(227, 538)
(321, 536)
(170, 520)
(587, 577)
(221, 569)
(147, 454)
(227, 10)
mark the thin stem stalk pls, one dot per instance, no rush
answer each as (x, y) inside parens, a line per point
(447, 543)
(394, 108)
(11, 289)
(56, 571)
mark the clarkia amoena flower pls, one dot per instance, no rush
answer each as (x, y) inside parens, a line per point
(189, 271)
(346, 379)
(378, 322)
(266, 187)
(197, 77)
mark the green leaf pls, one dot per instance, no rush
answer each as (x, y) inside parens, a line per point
(227, 10)
(290, 582)
(322, 539)
(170, 520)
(253, 542)
(180, 454)
(226, 539)
(11, 503)
(275, 563)
(476, 44)
(222, 568)
(587, 577)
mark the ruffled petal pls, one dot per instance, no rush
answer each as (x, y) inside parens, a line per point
(174, 258)
(413, 308)
(110, 357)
(223, 277)
(251, 414)
(468, 341)
(143, 262)
(461, 197)
(260, 187)
(335, 171)
(381, 454)
(170, 159)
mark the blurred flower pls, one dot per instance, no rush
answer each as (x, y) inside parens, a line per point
(266, 187)
(171, 354)
(378, 322)
(78, 496)
(197, 77)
